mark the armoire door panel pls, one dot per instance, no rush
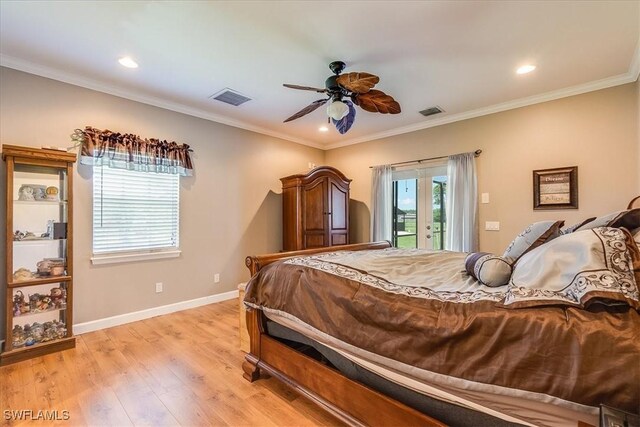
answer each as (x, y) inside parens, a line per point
(314, 206)
(339, 200)
(314, 240)
(339, 239)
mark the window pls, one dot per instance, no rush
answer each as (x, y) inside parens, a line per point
(135, 214)
(419, 199)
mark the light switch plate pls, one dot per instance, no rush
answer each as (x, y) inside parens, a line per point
(484, 198)
(492, 225)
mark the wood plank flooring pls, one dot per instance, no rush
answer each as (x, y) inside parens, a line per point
(179, 369)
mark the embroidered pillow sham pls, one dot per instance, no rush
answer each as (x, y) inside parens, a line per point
(574, 227)
(601, 265)
(531, 237)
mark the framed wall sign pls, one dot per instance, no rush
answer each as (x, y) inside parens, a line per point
(555, 188)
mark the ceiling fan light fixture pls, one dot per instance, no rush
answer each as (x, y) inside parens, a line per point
(337, 110)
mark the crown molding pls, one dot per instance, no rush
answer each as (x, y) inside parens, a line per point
(76, 80)
(634, 68)
(629, 77)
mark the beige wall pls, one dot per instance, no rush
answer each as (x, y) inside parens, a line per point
(597, 131)
(230, 208)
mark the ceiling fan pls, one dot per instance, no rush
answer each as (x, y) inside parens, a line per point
(345, 90)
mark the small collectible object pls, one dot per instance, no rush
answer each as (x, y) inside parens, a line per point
(26, 193)
(17, 337)
(58, 297)
(22, 274)
(52, 193)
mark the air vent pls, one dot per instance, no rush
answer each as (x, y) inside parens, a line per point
(230, 96)
(431, 111)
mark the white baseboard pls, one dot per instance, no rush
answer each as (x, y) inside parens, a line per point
(121, 319)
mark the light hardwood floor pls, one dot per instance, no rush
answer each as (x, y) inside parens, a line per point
(180, 369)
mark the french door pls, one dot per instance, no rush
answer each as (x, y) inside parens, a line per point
(419, 199)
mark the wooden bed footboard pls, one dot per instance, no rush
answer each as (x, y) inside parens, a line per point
(350, 401)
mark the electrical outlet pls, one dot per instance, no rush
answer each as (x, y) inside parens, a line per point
(158, 287)
(216, 278)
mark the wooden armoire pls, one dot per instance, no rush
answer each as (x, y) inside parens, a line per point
(315, 209)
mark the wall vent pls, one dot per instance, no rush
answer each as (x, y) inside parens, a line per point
(230, 96)
(431, 111)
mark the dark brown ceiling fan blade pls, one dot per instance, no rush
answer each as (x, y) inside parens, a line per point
(306, 110)
(376, 101)
(315, 89)
(358, 82)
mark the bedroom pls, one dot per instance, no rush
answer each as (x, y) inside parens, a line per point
(231, 207)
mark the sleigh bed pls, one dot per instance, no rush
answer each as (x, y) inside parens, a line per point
(381, 336)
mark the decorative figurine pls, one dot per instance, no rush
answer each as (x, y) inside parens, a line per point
(33, 302)
(17, 337)
(37, 331)
(28, 337)
(52, 193)
(25, 193)
(22, 274)
(18, 302)
(58, 297)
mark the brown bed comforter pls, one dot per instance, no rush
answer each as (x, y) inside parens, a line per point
(405, 308)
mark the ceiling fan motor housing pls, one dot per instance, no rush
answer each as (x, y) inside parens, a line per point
(337, 67)
(332, 84)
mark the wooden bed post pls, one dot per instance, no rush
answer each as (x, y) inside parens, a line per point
(255, 327)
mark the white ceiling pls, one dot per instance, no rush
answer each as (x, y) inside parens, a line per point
(459, 55)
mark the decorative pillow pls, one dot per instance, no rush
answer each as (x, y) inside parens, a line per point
(574, 227)
(601, 265)
(629, 219)
(636, 236)
(488, 269)
(532, 237)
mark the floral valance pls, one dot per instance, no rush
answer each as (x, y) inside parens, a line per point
(128, 151)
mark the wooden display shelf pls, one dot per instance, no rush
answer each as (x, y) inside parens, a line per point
(47, 168)
(40, 349)
(40, 281)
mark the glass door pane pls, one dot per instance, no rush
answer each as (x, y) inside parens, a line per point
(405, 213)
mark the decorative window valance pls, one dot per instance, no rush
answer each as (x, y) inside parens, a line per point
(128, 151)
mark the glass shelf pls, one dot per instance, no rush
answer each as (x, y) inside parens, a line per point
(35, 313)
(38, 239)
(40, 202)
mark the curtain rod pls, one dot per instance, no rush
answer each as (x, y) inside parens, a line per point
(408, 162)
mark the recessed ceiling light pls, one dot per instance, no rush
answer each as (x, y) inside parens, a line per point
(526, 69)
(126, 61)
(323, 129)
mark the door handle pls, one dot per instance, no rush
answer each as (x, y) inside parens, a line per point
(428, 236)
(428, 227)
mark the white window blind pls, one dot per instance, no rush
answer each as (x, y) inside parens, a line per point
(134, 211)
